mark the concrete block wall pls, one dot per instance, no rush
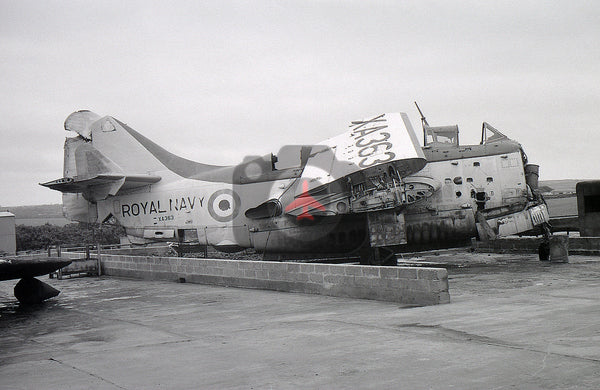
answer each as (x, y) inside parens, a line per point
(577, 245)
(407, 285)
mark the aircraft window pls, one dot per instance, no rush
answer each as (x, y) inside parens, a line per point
(458, 194)
(444, 135)
(490, 134)
(469, 180)
(446, 139)
(458, 180)
(448, 180)
(476, 164)
(490, 179)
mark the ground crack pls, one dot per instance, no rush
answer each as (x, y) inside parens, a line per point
(470, 337)
(87, 372)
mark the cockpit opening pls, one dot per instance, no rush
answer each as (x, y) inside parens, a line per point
(440, 135)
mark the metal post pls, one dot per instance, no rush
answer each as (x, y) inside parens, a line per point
(59, 272)
(99, 262)
(206, 244)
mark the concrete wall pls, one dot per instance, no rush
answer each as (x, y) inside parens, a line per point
(408, 285)
(577, 245)
(8, 238)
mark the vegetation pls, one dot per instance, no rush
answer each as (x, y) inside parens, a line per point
(41, 237)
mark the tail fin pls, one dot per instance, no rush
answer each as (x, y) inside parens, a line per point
(107, 156)
(113, 141)
(89, 166)
(130, 150)
(90, 173)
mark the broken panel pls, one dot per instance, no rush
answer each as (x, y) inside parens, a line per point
(386, 228)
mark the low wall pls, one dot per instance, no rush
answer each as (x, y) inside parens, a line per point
(408, 285)
(577, 245)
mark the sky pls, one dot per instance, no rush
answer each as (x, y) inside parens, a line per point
(214, 81)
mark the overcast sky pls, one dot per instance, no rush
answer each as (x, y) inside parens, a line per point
(214, 81)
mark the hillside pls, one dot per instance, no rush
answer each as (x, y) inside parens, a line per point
(39, 211)
(563, 186)
(38, 215)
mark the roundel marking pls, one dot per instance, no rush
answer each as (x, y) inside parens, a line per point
(224, 205)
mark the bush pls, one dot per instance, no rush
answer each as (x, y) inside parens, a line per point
(41, 237)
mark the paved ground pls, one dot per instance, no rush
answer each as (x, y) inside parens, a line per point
(513, 323)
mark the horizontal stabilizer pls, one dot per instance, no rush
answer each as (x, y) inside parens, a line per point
(91, 173)
(69, 184)
(101, 186)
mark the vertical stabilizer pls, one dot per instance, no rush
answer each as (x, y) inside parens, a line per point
(75, 206)
(118, 143)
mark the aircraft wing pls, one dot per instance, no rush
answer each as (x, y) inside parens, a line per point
(369, 143)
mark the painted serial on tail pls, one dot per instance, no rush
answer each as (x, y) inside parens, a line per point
(370, 191)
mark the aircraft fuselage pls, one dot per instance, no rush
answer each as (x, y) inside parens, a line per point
(370, 187)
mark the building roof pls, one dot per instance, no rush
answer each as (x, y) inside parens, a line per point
(6, 214)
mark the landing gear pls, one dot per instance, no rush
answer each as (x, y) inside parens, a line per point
(377, 256)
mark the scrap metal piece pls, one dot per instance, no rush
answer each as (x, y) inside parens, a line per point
(31, 291)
